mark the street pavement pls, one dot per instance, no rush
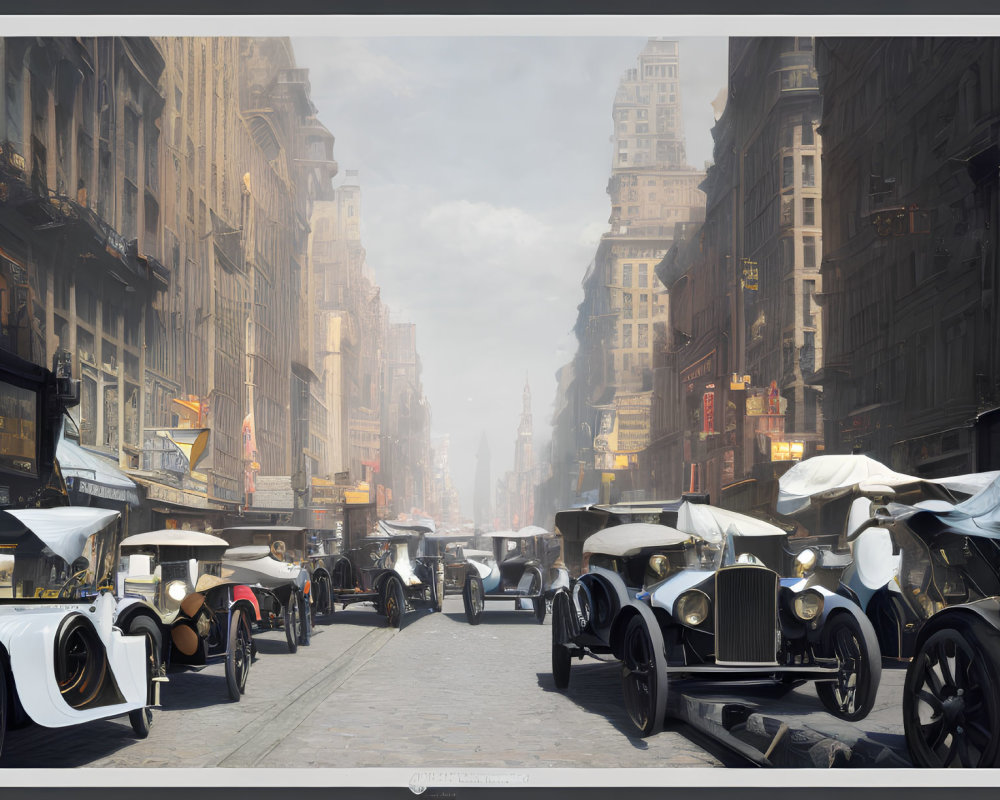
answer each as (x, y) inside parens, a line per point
(438, 693)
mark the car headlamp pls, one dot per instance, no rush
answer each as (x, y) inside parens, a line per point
(177, 591)
(692, 608)
(807, 605)
(659, 565)
(805, 562)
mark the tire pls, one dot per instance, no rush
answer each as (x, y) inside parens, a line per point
(81, 663)
(144, 626)
(305, 629)
(561, 657)
(141, 719)
(238, 657)
(538, 605)
(852, 695)
(644, 677)
(439, 587)
(950, 683)
(472, 597)
(393, 602)
(290, 615)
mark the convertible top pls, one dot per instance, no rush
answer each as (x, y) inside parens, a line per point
(631, 537)
(397, 526)
(713, 523)
(977, 516)
(838, 474)
(173, 538)
(64, 530)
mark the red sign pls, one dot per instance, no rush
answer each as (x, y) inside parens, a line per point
(708, 412)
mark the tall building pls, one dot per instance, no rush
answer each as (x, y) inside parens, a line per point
(515, 503)
(911, 282)
(738, 396)
(604, 422)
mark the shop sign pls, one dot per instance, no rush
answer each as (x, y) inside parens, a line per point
(700, 369)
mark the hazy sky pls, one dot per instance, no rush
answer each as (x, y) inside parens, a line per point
(483, 165)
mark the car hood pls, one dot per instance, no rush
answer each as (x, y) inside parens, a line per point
(665, 594)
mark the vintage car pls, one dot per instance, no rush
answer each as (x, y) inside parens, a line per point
(451, 548)
(171, 590)
(699, 601)
(831, 498)
(526, 567)
(949, 579)
(272, 566)
(391, 570)
(63, 661)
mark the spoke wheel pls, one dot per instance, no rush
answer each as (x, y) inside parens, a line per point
(644, 678)
(141, 719)
(538, 605)
(393, 602)
(852, 695)
(290, 615)
(472, 596)
(305, 628)
(239, 654)
(951, 705)
(561, 657)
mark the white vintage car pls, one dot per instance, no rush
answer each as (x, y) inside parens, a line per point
(62, 660)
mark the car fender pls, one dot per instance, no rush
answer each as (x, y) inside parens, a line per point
(867, 630)
(622, 619)
(834, 603)
(665, 595)
(241, 593)
(614, 588)
(561, 581)
(28, 634)
(987, 610)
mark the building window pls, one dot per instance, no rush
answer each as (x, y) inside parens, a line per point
(787, 171)
(643, 338)
(643, 306)
(622, 157)
(808, 210)
(808, 292)
(807, 131)
(626, 274)
(808, 171)
(643, 276)
(626, 335)
(809, 252)
(627, 305)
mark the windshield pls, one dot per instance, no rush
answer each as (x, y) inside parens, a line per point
(945, 569)
(652, 565)
(28, 568)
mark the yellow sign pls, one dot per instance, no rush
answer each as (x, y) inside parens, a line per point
(354, 497)
(786, 451)
(739, 383)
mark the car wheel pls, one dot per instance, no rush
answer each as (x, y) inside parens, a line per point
(538, 604)
(144, 626)
(561, 657)
(290, 614)
(644, 678)
(393, 602)
(852, 695)
(305, 628)
(472, 596)
(81, 662)
(951, 705)
(238, 655)
(439, 587)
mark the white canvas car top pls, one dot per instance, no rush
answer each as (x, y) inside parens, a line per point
(501, 535)
(247, 552)
(977, 516)
(532, 530)
(841, 472)
(397, 526)
(713, 523)
(623, 540)
(167, 537)
(64, 530)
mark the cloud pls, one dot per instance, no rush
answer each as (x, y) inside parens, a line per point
(480, 228)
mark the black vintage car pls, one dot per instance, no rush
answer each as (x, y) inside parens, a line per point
(701, 601)
(949, 577)
(526, 567)
(390, 570)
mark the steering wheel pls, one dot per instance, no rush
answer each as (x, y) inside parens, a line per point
(74, 580)
(278, 550)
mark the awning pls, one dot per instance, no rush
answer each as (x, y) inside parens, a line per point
(91, 474)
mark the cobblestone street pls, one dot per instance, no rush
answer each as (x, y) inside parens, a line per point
(437, 693)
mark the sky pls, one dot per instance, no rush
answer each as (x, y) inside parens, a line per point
(483, 164)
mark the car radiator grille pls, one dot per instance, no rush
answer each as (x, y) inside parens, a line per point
(746, 615)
